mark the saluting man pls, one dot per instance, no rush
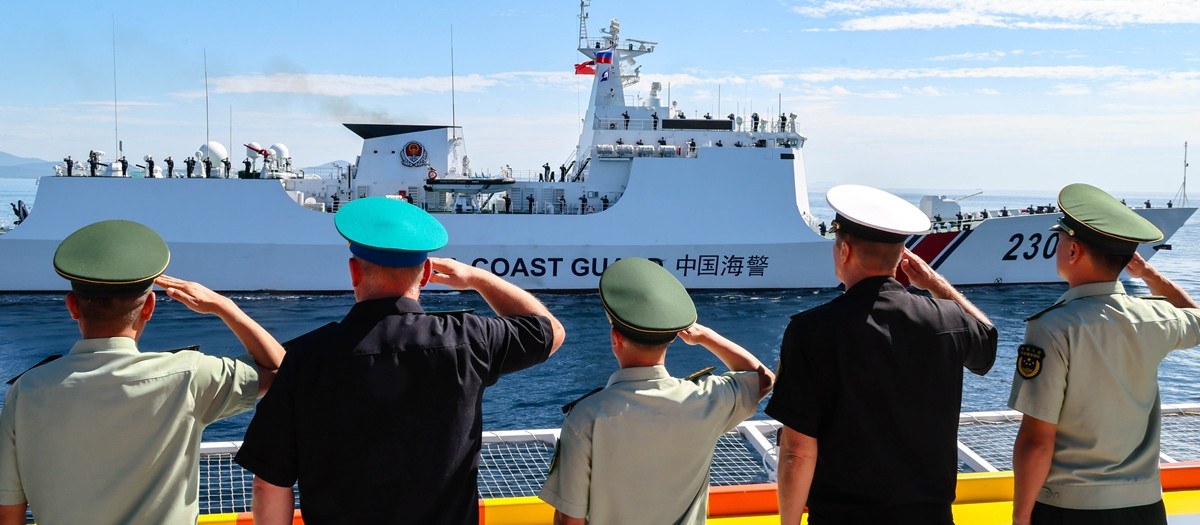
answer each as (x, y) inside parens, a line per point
(874, 377)
(639, 450)
(378, 416)
(109, 433)
(1087, 374)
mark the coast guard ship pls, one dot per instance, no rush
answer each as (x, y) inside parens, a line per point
(642, 181)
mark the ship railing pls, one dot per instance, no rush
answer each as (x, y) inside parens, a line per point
(514, 463)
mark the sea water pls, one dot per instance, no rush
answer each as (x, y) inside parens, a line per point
(33, 326)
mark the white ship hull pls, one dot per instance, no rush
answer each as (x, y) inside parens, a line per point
(248, 235)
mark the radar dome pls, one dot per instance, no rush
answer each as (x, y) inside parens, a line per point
(213, 150)
(252, 150)
(280, 151)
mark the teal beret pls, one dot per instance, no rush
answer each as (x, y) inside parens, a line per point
(113, 258)
(1098, 219)
(645, 302)
(389, 232)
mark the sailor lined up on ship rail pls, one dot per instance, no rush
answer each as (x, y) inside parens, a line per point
(193, 168)
(644, 119)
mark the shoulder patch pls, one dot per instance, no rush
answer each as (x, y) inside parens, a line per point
(567, 407)
(40, 363)
(706, 371)
(1029, 361)
(1047, 309)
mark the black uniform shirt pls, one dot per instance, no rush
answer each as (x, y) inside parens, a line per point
(378, 416)
(876, 377)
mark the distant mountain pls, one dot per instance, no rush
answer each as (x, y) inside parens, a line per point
(7, 159)
(329, 165)
(14, 167)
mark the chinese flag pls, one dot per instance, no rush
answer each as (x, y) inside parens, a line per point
(585, 68)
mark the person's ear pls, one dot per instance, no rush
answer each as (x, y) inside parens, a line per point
(356, 272)
(73, 305)
(426, 272)
(148, 307)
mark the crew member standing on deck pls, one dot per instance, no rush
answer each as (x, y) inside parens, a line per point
(378, 416)
(849, 368)
(1087, 374)
(620, 458)
(108, 433)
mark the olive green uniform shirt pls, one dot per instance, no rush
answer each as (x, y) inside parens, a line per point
(639, 450)
(107, 434)
(1090, 366)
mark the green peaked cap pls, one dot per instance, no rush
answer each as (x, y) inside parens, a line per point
(1099, 219)
(645, 302)
(114, 258)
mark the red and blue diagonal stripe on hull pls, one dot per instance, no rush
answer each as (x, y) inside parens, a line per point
(933, 248)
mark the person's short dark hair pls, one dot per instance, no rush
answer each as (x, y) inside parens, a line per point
(875, 255)
(1112, 263)
(117, 312)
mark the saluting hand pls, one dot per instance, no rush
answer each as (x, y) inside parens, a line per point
(1139, 268)
(194, 295)
(695, 334)
(918, 271)
(452, 273)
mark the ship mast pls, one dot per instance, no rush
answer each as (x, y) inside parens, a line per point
(116, 132)
(1181, 195)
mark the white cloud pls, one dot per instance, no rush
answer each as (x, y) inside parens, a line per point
(945, 20)
(1168, 85)
(1071, 90)
(882, 15)
(927, 91)
(1031, 72)
(351, 85)
(987, 55)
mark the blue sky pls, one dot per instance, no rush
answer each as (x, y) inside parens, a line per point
(913, 94)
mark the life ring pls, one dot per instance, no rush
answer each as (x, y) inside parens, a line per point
(591, 209)
(432, 173)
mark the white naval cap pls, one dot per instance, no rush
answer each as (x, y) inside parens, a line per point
(874, 214)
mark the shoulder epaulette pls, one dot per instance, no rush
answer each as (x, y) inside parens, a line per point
(194, 348)
(706, 371)
(452, 312)
(40, 363)
(567, 407)
(1039, 314)
(1153, 297)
